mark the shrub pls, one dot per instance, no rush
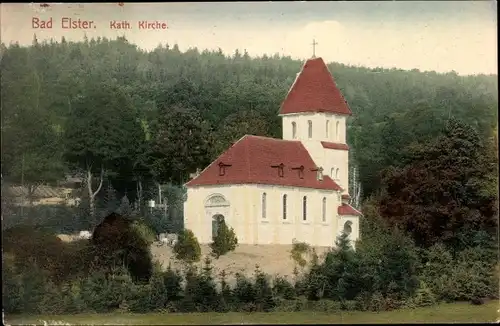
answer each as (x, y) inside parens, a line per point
(105, 294)
(424, 297)
(53, 301)
(227, 301)
(264, 299)
(282, 288)
(297, 252)
(200, 291)
(27, 244)
(244, 291)
(172, 280)
(115, 242)
(225, 240)
(12, 286)
(33, 289)
(297, 304)
(187, 247)
(144, 231)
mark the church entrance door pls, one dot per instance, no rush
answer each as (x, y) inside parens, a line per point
(216, 210)
(216, 221)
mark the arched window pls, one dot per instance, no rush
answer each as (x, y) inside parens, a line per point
(304, 208)
(284, 207)
(324, 209)
(332, 173)
(294, 130)
(310, 128)
(327, 129)
(337, 131)
(348, 227)
(264, 205)
(337, 174)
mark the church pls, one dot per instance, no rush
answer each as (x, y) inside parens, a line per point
(280, 191)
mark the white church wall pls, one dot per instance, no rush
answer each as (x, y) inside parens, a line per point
(318, 121)
(244, 214)
(274, 229)
(198, 217)
(328, 159)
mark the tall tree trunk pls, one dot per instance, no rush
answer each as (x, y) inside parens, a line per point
(139, 192)
(92, 193)
(31, 193)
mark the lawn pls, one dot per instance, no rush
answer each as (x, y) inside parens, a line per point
(455, 312)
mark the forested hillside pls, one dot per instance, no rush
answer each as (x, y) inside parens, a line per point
(424, 146)
(160, 115)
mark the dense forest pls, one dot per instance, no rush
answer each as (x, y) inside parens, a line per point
(121, 102)
(423, 145)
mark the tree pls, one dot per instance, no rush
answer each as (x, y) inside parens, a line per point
(31, 149)
(102, 133)
(181, 144)
(225, 240)
(237, 125)
(187, 247)
(439, 193)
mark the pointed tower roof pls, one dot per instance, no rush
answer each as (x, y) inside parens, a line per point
(314, 90)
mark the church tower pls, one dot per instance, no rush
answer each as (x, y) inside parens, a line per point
(315, 113)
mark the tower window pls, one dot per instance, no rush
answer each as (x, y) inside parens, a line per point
(337, 174)
(264, 202)
(294, 130)
(304, 208)
(310, 128)
(324, 209)
(337, 132)
(327, 129)
(284, 207)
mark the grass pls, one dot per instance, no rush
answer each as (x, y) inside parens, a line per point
(453, 312)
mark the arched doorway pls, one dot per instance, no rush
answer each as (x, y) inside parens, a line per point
(217, 219)
(216, 211)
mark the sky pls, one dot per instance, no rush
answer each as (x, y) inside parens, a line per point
(426, 35)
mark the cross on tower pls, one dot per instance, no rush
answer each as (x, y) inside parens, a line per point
(314, 43)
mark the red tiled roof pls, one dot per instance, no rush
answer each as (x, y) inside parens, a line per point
(329, 145)
(346, 209)
(255, 160)
(346, 196)
(314, 90)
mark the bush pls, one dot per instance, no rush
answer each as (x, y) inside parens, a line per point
(297, 304)
(27, 244)
(424, 297)
(282, 288)
(297, 252)
(187, 247)
(12, 286)
(264, 299)
(144, 231)
(244, 291)
(225, 240)
(200, 291)
(116, 242)
(105, 294)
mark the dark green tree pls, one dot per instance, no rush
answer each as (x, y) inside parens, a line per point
(102, 133)
(439, 194)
